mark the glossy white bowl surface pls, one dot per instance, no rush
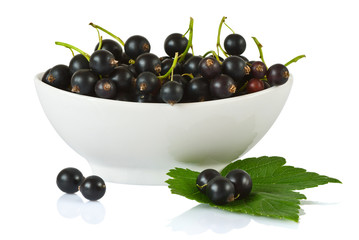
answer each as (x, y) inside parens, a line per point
(137, 143)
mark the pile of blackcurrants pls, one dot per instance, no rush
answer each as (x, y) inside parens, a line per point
(237, 184)
(137, 75)
(70, 180)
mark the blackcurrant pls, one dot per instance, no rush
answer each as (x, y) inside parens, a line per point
(222, 86)
(78, 62)
(234, 44)
(180, 79)
(175, 42)
(123, 78)
(113, 47)
(148, 62)
(145, 98)
(277, 74)
(235, 67)
(254, 85)
(83, 82)
(191, 65)
(136, 45)
(198, 90)
(166, 64)
(220, 190)
(258, 69)
(69, 179)
(59, 76)
(102, 62)
(147, 82)
(204, 177)
(209, 67)
(171, 92)
(106, 88)
(93, 188)
(242, 182)
(46, 75)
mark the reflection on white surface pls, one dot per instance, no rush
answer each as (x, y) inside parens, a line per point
(72, 206)
(203, 218)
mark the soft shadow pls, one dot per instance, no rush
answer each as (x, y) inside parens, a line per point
(203, 217)
(71, 206)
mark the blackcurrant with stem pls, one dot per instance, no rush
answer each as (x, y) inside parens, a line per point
(136, 45)
(102, 62)
(113, 47)
(209, 67)
(235, 67)
(242, 182)
(171, 92)
(69, 179)
(254, 85)
(147, 82)
(166, 64)
(191, 65)
(148, 62)
(175, 42)
(105, 88)
(59, 76)
(222, 86)
(78, 62)
(123, 78)
(204, 177)
(258, 69)
(93, 188)
(83, 82)
(198, 90)
(234, 44)
(220, 190)
(277, 74)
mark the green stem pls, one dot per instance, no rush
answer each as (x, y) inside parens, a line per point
(87, 56)
(229, 27)
(259, 45)
(171, 69)
(190, 37)
(109, 33)
(294, 60)
(99, 39)
(214, 54)
(219, 37)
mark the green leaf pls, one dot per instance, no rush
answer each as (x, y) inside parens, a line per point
(272, 193)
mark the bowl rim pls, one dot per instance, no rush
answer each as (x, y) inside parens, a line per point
(38, 80)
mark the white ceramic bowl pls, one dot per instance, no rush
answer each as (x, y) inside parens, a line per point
(137, 143)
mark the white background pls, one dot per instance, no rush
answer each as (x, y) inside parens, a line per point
(317, 129)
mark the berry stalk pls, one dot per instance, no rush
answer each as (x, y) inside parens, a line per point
(189, 44)
(294, 60)
(71, 47)
(259, 45)
(175, 59)
(109, 33)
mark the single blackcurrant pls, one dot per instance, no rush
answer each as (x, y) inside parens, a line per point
(258, 69)
(235, 67)
(204, 177)
(234, 44)
(277, 74)
(198, 90)
(147, 82)
(148, 62)
(123, 78)
(171, 92)
(222, 86)
(78, 62)
(102, 62)
(242, 182)
(254, 85)
(93, 188)
(175, 42)
(69, 179)
(106, 88)
(136, 45)
(220, 190)
(209, 67)
(191, 65)
(59, 76)
(113, 47)
(83, 82)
